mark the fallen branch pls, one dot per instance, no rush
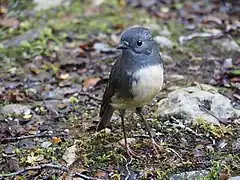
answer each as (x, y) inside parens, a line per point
(111, 56)
(34, 168)
(127, 168)
(12, 139)
(47, 166)
(184, 39)
(84, 176)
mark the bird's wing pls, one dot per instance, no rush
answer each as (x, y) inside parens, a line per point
(114, 79)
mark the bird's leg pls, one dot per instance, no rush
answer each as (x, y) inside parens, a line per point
(129, 151)
(155, 145)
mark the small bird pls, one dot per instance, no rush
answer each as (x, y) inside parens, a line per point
(135, 79)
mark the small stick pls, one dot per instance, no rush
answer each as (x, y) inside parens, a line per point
(12, 139)
(47, 166)
(34, 168)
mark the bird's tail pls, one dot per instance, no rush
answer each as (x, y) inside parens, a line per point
(105, 118)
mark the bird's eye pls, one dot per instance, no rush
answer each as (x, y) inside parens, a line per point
(139, 43)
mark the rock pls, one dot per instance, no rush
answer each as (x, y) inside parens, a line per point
(59, 93)
(45, 4)
(227, 44)
(97, 2)
(235, 178)
(9, 149)
(189, 175)
(130, 141)
(16, 41)
(189, 102)
(236, 145)
(17, 109)
(163, 41)
(70, 155)
(175, 77)
(227, 63)
(13, 164)
(100, 46)
(26, 144)
(46, 144)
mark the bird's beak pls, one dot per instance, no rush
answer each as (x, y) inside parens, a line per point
(123, 45)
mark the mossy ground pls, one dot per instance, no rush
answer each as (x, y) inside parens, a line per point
(82, 23)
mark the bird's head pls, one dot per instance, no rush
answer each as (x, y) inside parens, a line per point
(137, 40)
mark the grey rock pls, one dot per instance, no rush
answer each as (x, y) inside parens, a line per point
(16, 41)
(26, 144)
(227, 63)
(163, 41)
(176, 77)
(9, 149)
(227, 44)
(70, 154)
(190, 101)
(46, 144)
(102, 47)
(45, 4)
(235, 178)
(189, 175)
(59, 93)
(17, 109)
(236, 145)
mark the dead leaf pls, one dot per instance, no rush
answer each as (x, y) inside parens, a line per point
(64, 76)
(223, 176)
(70, 155)
(61, 105)
(81, 71)
(9, 22)
(3, 7)
(92, 11)
(90, 82)
(32, 159)
(101, 174)
(56, 140)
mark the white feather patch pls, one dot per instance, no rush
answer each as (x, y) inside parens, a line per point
(149, 83)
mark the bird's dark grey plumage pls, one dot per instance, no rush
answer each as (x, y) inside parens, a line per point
(135, 78)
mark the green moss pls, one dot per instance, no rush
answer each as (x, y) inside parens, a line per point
(177, 30)
(98, 151)
(216, 131)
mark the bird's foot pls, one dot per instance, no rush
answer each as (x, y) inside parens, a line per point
(131, 152)
(157, 148)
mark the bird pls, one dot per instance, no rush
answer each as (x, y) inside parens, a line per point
(135, 79)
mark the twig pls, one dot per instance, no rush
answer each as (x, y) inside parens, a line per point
(170, 149)
(12, 139)
(84, 176)
(183, 39)
(89, 95)
(127, 164)
(48, 166)
(111, 56)
(34, 168)
(141, 136)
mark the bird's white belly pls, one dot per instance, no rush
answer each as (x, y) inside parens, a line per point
(149, 81)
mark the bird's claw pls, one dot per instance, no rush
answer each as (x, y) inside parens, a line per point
(131, 152)
(157, 148)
